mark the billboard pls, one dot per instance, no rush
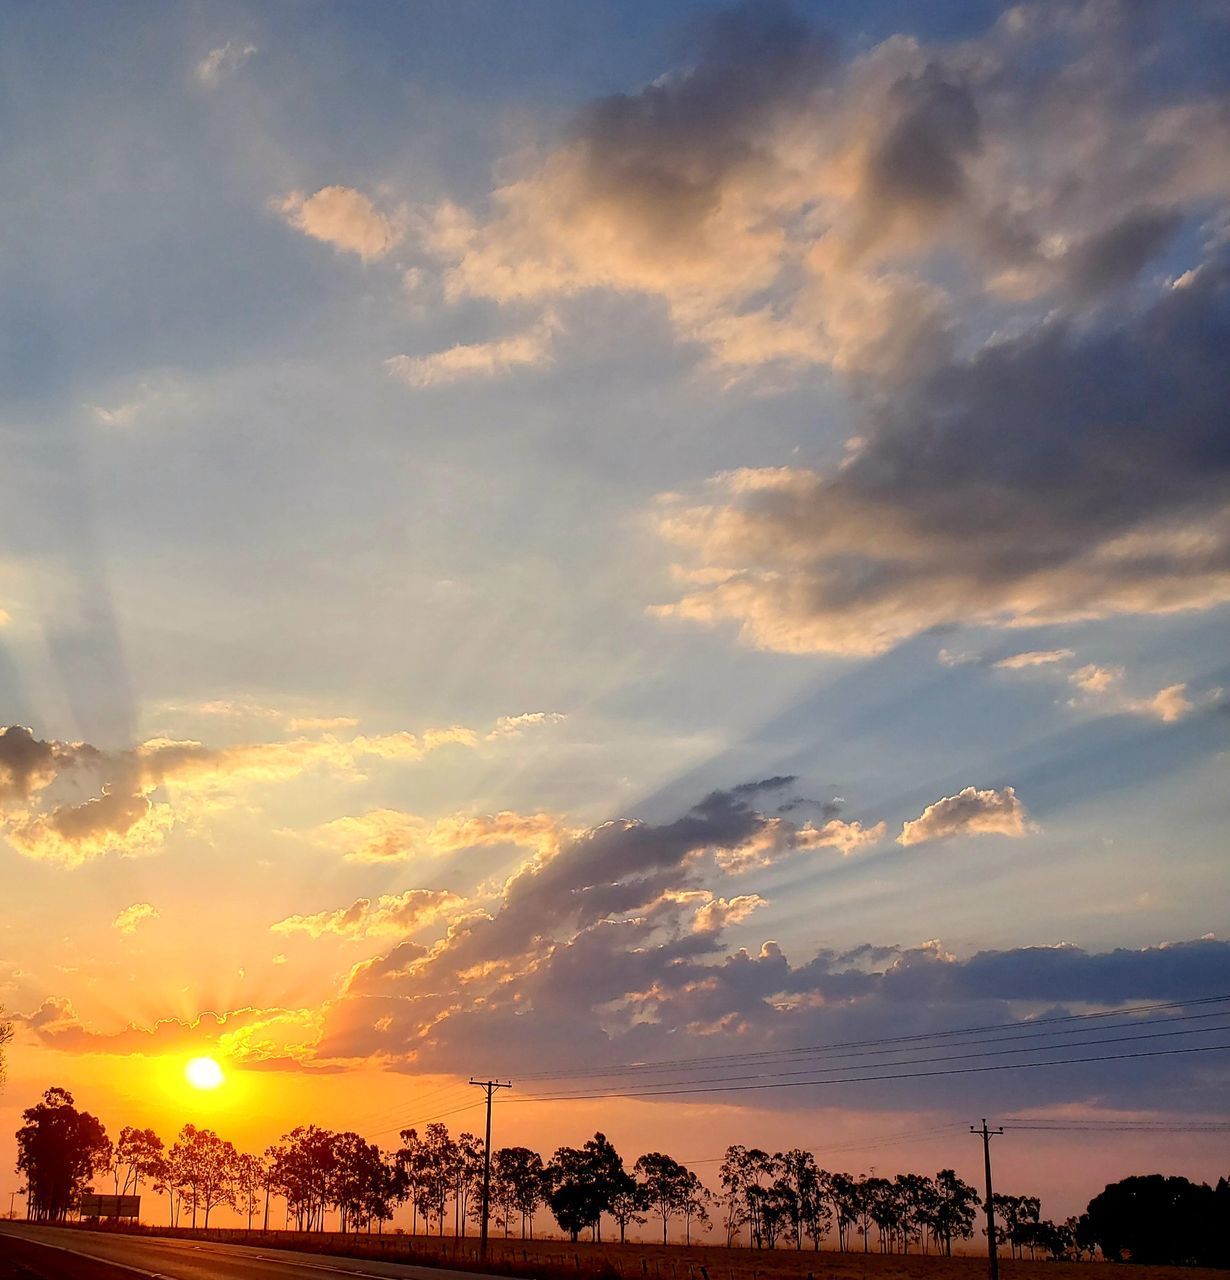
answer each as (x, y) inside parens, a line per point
(93, 1206)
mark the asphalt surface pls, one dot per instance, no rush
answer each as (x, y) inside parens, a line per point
(29, 1252)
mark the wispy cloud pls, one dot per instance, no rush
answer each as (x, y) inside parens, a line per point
(532, 348)
(221, 63)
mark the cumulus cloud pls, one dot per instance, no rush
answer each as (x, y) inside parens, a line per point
(222, 62)
(531, 348)
(390, 914)
(344, 218)
(986, 497)
(133, 917)
(969, 813)
(1101, 688)
(142, 792)
(786, 207)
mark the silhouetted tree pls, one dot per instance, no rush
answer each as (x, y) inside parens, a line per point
(59, 1149)
(694, 1206)
(519, 1181)
(664, 1185)
(583, 1180)
(137, 1155)
(798, 1172)
(952, 1210)
(1162, 1221)
(6, 1036)
(206, 1165)
(249, 1182)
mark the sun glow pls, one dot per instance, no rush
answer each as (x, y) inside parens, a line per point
(204, 1073)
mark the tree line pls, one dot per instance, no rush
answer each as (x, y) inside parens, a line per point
(768, 1200)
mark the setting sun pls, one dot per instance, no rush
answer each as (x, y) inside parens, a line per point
(204, 1073)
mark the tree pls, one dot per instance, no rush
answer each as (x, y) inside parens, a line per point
(664, 1185)
(6, 1035)
(1161, 1221)
(249, 1182)
(467, 1178)
(627, 1203)
(138, 1155)
(695, 1205)
(844, 1195)
(583, 1181)
(59, 1149)
(206, 1168)
(952, 1211)
(520, 1183)
(742, 1173)
(798, 1172)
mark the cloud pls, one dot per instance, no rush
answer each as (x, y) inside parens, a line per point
(531, 348)
(779, 838)
(1169, 704)
(131, 918)
(787, 208)
(1102, 690)
(985, 497)
(969, 813)
(28, 764)
(220, 63)
(344, 218)
(1094, 679)
(1033, 658)
(129, 814)
(514, 726)
(391, 835)
(390, 915)
(719, 913)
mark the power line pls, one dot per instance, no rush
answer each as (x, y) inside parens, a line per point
(749, 1056)
(954, 1057)
(411, 1124)
(906, 1075)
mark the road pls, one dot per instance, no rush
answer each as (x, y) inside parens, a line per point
(29, 1252)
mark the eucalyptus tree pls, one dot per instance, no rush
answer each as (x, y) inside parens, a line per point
(665, 1185)
(137, 1156)
(59, 1149)
(798, 1173)
(953, 1210)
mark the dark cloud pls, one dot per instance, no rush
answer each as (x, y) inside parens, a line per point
(1117, 254)
(27, 763)
(663, 155)
(1068, 473)
(919, 162)
(617, 954)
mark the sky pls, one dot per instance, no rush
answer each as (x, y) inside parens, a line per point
(541, 537)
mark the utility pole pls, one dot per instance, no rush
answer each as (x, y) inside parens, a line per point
(488, 1087)
(986, 1135)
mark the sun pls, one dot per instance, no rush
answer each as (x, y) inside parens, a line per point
(204, 1073)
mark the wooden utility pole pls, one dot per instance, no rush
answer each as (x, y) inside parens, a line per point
(986, 1135)
(488, 1087)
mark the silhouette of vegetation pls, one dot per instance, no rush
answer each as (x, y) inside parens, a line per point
(782, 1199)
(59, 1149)
(1158, 1220)
(6, 1034)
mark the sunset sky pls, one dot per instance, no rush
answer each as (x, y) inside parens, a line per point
(544, 536)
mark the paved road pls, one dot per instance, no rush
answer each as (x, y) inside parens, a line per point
(58, 1250)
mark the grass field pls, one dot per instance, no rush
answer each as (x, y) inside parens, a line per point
(561, 1260)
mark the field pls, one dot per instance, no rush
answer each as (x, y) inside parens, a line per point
(553, 1259)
